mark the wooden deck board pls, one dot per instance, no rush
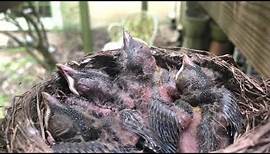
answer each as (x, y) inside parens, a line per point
(247, 24)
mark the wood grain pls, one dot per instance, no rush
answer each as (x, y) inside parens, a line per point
(247, 25)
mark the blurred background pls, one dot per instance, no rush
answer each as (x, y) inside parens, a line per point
(34, 36)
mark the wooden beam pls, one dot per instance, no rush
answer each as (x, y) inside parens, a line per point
(85, 26)
(247, 25)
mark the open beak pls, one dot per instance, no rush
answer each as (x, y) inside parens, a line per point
(185, 61)
(68, 72)
(46, 96)
(126, 39)
(50, 102)
(49, 98)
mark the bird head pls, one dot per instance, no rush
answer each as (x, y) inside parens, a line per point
(71, 75)
(51, 100)
(137, 54)
(89, 83)
(132, 42)
(190, 75)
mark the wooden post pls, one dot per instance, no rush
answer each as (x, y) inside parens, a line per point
(182, 11)
(85, 26)
(144, 6)
(195, 26)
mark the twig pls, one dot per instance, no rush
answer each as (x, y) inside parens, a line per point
(30, 31)
(251, 139)
(40, 118)
(39, 21)
(13, 137)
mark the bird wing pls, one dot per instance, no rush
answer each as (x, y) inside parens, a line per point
(164, 123)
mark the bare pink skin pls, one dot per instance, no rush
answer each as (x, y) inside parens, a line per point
(127, 100)
(126, 137)
(146, 94)
(149, 65)
(184, 118)
(188, 140)
(172, 91)
(101, 111)
(168, 92)
(88, 106)
(163, 92)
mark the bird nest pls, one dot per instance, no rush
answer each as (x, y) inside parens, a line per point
(24, 127)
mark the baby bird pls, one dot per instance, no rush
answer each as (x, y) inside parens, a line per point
(169, 122)
(165, 86)
(207, 131)
(92, 84)
(197, 87)
(97, 87)
(192, 82)
(90, 108)
(106, 120)
(162, 128)
(134, 122)
(91, 147)
(137, 56)
(65, 123)
(213, 131)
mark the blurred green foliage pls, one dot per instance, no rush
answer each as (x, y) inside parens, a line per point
(17, 72)
(71, 16)
(3, 100)
(140, 25)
